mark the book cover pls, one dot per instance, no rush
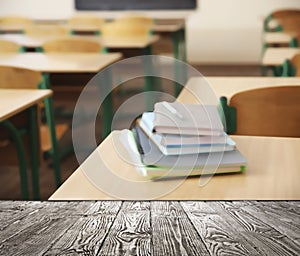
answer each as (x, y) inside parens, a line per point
(189, 119)
(177, 149)
(146, 123)
(152, 156)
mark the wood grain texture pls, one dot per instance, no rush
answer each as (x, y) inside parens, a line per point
(150, 228)
(173, 233)
(88, 232)
(33, 234)
(219, 236)
(130, 233)
(264, 238)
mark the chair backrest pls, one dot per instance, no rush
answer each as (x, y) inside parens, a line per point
(15, 20)
(9, 46)
(295, 61)
(125, 30)
(271, 111)
(72, 45)
(290, 24)
(46, 30)
(136, 19)
(85, 21)
(285, 13)
(19, 78)
(280, 15)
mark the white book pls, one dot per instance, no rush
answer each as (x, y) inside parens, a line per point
(183, 149)
(146, 123)
(188, 119)
(157, 165)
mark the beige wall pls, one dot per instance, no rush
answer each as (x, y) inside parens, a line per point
(229, 31)
(221, 31)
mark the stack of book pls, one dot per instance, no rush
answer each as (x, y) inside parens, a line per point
(183, 140)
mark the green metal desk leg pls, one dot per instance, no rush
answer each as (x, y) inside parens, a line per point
(51, 125)
(107, 111)
(16, 137)
(179, 54)
(34, 152)
(54, 151)
(149, 80)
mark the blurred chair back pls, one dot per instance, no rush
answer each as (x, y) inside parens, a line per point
(79, 21)
(291, 67)
(10, 47)
(280, 15)
(19, 78)
(290, 24)
(72, 45)
(125, 30)
(135, 19)
(285, 13)
(271, 111)
(46, 30)
(15, 20)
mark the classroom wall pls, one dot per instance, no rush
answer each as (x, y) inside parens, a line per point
(219, 32)
(229, 31)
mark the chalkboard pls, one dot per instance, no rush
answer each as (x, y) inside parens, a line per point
(119, 5)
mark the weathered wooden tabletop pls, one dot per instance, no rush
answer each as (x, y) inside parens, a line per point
(150, 228)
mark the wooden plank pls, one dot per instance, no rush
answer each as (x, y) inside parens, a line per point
(88, 232)
(264, 238)
(13, 213)
(279, 215)
(131, 231)
(33, 234)
(173, 233)
(219, 236)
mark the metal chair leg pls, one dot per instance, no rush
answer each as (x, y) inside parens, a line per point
(16, 137)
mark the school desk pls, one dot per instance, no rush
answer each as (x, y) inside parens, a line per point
(14, 101)
(66, 63)
(272, 171)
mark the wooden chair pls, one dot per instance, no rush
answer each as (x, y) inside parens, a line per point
(135, 19)
(15, 20)
(10, 47)
(271, 111)
(124, 30)
(72, 45)
(82, 22)
(12, 77)
(46, 30)
(280, 15)
(14, 24)
(290, 24)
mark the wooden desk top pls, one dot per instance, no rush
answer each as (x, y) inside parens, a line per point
(272, 173)
(157, 27)
(14, 101)
(228, 86)
(114, 42)
(264, 155)
(276, 56)
(150, 228)
(60, 62)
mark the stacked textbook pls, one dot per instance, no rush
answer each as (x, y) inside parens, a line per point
(184, 140)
